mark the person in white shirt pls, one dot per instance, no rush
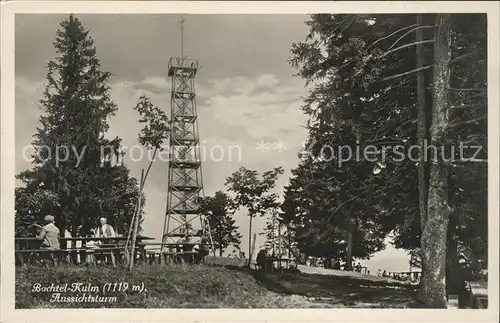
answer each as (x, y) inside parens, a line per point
(107, 231)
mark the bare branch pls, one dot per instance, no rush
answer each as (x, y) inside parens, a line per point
(399, 85)
(466, 162)
(407, 45)
(458, 124)
(345, 202)
(406, 73)
(468, 90)
(335, 211)
(464, 56)
(407, 33)
(148, 169)
(389, 36)
(459, 78)
(464, 106)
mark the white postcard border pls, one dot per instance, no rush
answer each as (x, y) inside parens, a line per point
(9, 314)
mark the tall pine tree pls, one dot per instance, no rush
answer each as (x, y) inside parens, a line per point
(73, 163)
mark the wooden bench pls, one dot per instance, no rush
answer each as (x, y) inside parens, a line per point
(170, 257)
(362, 269)
(83, 255)
(279, 261)
(453, 301)
(479, 295)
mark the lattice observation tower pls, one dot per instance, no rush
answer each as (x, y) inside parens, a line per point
(185, 183)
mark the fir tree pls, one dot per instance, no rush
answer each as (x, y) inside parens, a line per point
(72, 163)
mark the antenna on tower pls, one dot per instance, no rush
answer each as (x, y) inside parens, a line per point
(183, 19)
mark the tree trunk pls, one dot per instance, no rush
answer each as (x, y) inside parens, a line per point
(423, 179)
(348, 263)
(328, 263)
(451, 256)
(352, 225)
(74, 254)
(253, 246)
(137, 217)
(422, 135)
(290, 244)
(220, 252)
(250, 241)
(433, 287)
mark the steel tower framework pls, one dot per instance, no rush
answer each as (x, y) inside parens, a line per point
(185, 184)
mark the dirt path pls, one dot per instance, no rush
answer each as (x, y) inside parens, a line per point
(352, 274)
(331, 288)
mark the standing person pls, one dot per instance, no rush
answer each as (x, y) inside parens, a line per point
(460, 283)
(269, 261)
(187, 249)
(50, 238)
(201, 248)
(107, 231)
(261, 260)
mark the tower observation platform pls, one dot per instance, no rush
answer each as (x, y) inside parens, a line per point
(184, 64)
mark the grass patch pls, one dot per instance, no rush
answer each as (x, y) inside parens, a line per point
(165, 287)
(204, 286)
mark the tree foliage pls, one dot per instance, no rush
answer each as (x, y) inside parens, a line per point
(219, 211)
(253, 193)
(156, 124)
(362, 74)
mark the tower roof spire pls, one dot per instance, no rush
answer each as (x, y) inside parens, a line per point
(183, 19)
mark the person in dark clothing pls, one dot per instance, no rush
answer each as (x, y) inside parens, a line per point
(465, 279)
(201, 248)
(187, 249)
(460, 283)
(261, 259)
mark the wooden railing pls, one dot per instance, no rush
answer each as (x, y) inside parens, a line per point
(28, 249)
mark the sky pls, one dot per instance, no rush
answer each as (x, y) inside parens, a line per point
(247, 94)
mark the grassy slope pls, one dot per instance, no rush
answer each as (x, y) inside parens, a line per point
(213, 287)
